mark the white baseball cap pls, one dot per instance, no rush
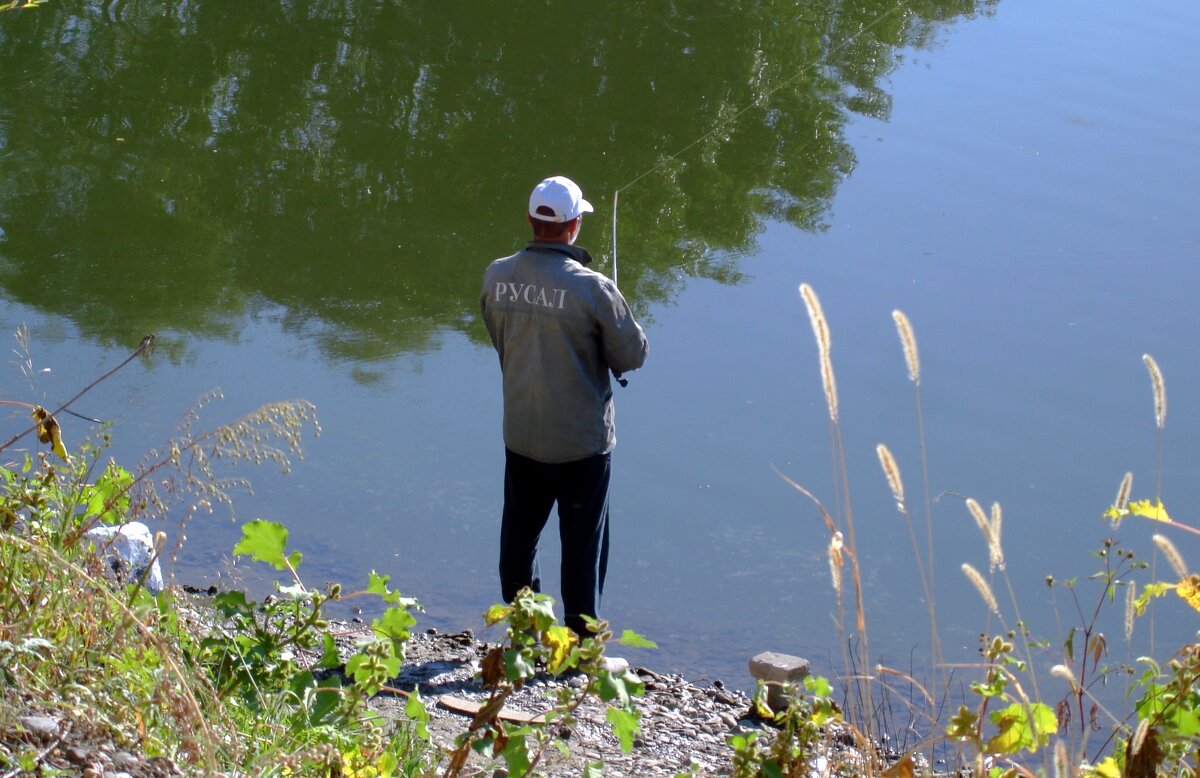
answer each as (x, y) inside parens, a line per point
(562, 196)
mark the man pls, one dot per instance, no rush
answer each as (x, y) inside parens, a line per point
(560, 330)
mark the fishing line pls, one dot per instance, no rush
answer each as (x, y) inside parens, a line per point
(727, 122)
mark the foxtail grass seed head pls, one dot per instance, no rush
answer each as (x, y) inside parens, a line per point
(1139, 736)
(830, 385)
(835, 561)
(909, 342)
(1122, 501)
(817, 317)
(1172, 554)
(1160, 391)
(981, 520)
(1064, 672)
(982, 587)
(892, 472)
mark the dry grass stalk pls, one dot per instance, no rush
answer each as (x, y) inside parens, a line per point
(982, 587)
(996, 549)
(892, 472)
(1160, 391)
(1172, 554)
(1130, 609)
(909, 342)
(1062, 765)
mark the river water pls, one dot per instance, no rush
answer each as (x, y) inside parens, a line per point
(299, 201)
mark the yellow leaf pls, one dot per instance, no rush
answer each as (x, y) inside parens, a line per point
(901, 769)
(496, 614)
(559, 640)
(1108, 768)
(1189, 591)
(48, 432)
(1149, 510)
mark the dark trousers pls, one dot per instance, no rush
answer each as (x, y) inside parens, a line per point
(580, 488)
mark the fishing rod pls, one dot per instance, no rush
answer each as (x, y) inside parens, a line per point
(616, 192)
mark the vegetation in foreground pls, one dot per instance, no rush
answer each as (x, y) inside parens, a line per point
(253, 690)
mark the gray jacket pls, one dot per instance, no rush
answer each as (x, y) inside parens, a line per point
(559, 330)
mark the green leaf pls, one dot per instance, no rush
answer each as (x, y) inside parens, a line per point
(612, 687)
(516, 756)
(593, 770)
(518, 664)
(818, 686)
(264, 541)
(634, 640)
(625, 726)
(416, 711)
(114, 481)
(329, 654)
(1017, 732)
(394, 624)
(963, 724)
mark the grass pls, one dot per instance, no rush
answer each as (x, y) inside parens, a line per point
(1012, 727)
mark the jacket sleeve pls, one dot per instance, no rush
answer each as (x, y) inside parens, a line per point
(621, 338)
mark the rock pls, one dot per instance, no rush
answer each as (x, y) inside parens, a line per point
(776, 669)
(43, 726)
(129, 550)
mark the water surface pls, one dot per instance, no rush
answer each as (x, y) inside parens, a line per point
(299, 202)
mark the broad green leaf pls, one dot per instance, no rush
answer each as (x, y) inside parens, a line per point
(416, 712)
(516, 756)
(593, 770)
(329, 654)
(377, 584)
(1016, 732)
(394, 624)
(518, 664)
(108, 498)
(634, 640)
(265, 541)
(612, 687)
(625, 726)
(818, 686)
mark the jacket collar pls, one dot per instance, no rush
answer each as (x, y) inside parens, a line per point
(577, 253)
